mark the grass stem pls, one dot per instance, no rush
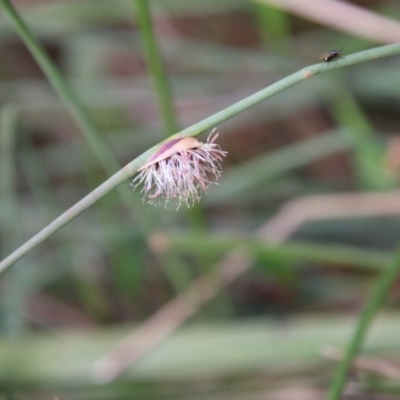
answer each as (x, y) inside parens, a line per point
(208, 123)
(375, 301)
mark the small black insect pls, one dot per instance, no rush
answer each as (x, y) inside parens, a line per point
(332, 55)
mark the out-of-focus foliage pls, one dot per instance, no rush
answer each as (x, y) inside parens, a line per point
(335, 133)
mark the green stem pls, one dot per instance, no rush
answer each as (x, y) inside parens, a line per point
(375, 302)
(8, 127)
(155, 63)
(368, 153)
(14, 290)
(216, 245)
(194, 130)
(66, 217)
(63, 89)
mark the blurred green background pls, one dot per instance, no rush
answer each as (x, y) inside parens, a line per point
(261, 333)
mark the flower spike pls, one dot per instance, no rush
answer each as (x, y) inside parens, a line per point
(180, 171)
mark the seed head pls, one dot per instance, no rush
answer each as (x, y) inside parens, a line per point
(180, 171)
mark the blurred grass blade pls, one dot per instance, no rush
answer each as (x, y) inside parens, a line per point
(375, 301)
(63, 89)
(173, 268)
(292, 251)
(8, 125)
(14, 290)
(274, 26)
(155, 63)
(208, 350)
(244, 178)
(343, 16)
(368, 150)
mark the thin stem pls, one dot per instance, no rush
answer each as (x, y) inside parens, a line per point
(291, 80)
(8, 127)
(156, 66)
(63, 89)
(15, 287)
(376, 300)
(64, 255)
(66, 217)
(194, 130)
(293, 251)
